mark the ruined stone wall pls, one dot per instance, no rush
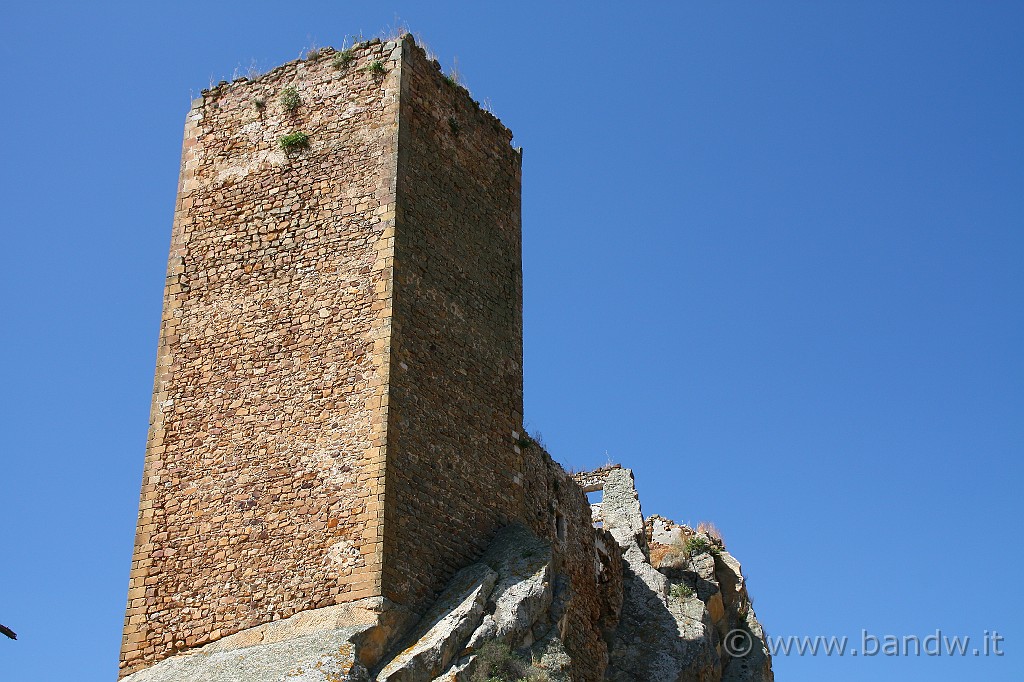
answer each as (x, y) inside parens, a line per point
(558, 510)
(593, 481)
(453, 474)
(260, 494)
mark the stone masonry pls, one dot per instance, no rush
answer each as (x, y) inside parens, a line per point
(262, 493)
(338, 399)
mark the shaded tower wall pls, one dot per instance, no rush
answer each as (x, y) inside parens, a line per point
(261, 492)
(454, 475)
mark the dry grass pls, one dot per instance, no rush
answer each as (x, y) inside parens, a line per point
(496, 662)
(711, 530)
(454, 76)
(312, 51)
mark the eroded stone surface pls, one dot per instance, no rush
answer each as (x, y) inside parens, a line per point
(323, 645)
(675, 613)
(439, 636)
(523, 591)
(621, 510)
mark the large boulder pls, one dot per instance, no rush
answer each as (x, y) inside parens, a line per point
(438, 638)
(504, 603)
(523, 589)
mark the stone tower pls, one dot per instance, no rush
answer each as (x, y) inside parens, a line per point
(337, 487)
(338, 394)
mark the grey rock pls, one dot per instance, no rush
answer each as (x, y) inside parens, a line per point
(437, 639)
(620, 508)
(549, 655)
(458, 671)
(657, 637)
(523, 589)
(703, 564)
(729, 575)
(754, 666)
(324, 657)
(664, 534)
(321, 645)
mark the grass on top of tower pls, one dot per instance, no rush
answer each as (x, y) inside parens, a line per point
(342, 59)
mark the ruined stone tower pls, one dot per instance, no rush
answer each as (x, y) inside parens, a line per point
(337, 486)
(340, 351)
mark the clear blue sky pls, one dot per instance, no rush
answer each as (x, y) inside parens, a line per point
(773, 261)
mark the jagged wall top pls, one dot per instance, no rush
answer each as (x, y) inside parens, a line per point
(359, 51)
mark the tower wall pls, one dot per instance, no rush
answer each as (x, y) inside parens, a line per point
(262, 487)
(454, 475)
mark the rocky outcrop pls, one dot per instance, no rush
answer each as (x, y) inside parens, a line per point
(681, 612)
(440, 635)
(505, 599)
(674, 608)
(659, 637)
(498, 613)
(686, 614)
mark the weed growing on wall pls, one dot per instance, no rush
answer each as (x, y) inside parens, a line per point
(342, 59)
(294, 140)
(290, 99)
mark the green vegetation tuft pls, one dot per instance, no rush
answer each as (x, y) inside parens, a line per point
(342, 59)
(290, 99)
(495, 662)
(681, 591)
(698, 544)
(294, 140)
